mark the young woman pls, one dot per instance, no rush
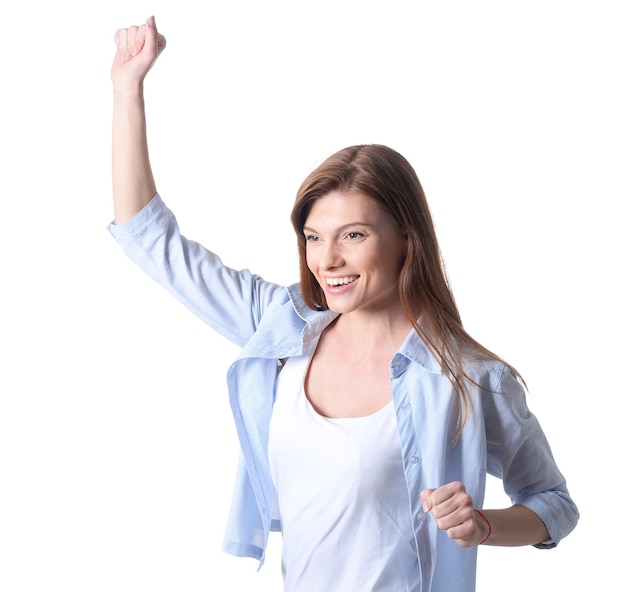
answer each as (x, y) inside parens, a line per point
(367, 417)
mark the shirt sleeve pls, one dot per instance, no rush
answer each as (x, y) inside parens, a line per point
(518, 452)
(230, 301)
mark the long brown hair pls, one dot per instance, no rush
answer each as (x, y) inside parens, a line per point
(387, 177)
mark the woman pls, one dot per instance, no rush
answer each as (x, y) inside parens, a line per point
(367, 417)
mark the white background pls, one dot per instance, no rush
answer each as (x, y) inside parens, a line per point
(117, 449)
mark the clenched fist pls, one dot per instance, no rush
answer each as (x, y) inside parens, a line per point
(137, 50)
(453, 509)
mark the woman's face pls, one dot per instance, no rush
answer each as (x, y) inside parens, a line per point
(355, 252)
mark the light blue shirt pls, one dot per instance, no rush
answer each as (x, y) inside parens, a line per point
(270, 323)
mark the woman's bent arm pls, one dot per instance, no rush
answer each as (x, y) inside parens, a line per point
(453, 509)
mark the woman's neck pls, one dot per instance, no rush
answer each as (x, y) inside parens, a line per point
(372, 333)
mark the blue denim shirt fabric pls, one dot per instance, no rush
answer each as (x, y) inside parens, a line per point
(270, 322)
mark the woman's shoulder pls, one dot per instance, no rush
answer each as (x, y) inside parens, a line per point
(489, 371)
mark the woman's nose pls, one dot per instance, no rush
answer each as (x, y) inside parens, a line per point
(331, 256)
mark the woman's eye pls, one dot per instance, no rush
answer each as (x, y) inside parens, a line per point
(310, 238)
(354, 235)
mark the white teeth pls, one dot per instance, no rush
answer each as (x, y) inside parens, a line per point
(340, 281)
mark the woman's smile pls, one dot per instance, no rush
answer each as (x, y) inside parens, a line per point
(334, 282)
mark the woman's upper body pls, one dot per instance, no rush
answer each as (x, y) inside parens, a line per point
(272, 323)
(374, 297)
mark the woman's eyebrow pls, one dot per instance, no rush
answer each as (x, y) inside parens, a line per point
(342, 227)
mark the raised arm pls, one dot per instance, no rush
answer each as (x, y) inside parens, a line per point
(133, 183)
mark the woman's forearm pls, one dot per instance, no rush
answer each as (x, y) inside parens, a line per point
(515, 526)
(133, 181)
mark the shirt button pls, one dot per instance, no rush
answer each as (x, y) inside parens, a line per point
(414, 460)
(406, 405)
(421, 516)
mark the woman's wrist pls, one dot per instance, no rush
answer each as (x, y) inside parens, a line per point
(128, 90)
(487, 531)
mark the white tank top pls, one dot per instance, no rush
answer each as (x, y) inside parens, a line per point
(342, 495)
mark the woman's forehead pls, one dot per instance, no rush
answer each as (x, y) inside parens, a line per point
(338, 208)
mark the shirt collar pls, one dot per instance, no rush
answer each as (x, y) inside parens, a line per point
(414, 350)
(274, 341)
(316, 320)
(287, 332)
